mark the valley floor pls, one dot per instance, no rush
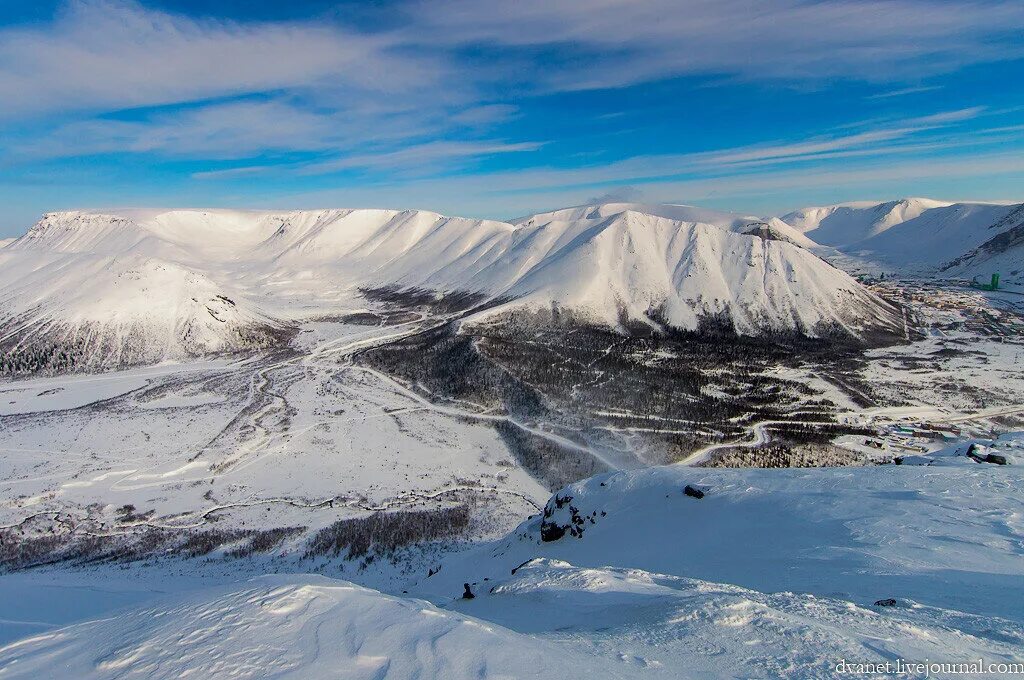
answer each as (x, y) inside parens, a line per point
(215, 517)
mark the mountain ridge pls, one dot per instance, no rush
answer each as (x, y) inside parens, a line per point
(662, 266)
(919, 236)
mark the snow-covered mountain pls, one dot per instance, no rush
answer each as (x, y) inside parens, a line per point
(845, 224)
(735, 222)
(88, 295)
(1002, 253)
(919, 234)
(140, 285)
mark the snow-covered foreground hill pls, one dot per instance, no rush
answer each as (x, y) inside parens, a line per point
(946, 536)
(86, 290)
(922, 235)
(771, 573)
(292, 627)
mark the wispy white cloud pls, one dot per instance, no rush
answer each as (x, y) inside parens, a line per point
(232, 173)
(485, 115)
(868, 158)
(411, 158)
(609, 43)
(902, 138)
(223, 130)
(219, 90)
(112, 54)
(904, 91)
(899, 138)
(435, 90)
(107, 55)
(804, 149)
(509, 194)
(957, 116)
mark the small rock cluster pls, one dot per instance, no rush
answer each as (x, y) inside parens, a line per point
(562, 517)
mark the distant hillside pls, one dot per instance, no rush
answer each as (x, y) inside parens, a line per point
(921, 235)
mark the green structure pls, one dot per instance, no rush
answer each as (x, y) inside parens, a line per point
(987, 286)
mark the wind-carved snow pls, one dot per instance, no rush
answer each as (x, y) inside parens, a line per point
(292, 626)
(140, 286)
(771, 573)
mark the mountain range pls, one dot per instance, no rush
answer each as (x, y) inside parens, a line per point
(106, 289)
(924, 236)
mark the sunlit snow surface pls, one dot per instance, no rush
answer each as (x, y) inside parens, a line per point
(773, 572)
(182, 439)
(144, 286)
(296, 627)
(919, 234)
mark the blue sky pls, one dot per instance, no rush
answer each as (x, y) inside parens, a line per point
(501, 109)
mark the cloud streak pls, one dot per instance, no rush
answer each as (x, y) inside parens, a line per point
(417, 157)
(610, 43)
(108, 55)
(447, 90)
(111, 54)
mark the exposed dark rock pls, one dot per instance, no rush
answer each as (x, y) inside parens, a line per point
(552, 528)
(980, 456)
(549, 531)
(514, 570)
(764, 231)
(468, 594)
(888, 602)
(693, 492)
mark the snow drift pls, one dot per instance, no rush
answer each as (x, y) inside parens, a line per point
(943, 535)
(771, 573)
(295, 627)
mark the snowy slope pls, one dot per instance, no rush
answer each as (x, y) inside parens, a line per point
(668, 626)
(550, 619)
(144, 285)
(847, 223)
(644, 263)
(944, 536)
(114, 310)
(913, 233)
(302, 627)
(1003, 253)
(773, 573)
(807, 554)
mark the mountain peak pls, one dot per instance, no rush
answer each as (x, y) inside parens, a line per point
(99, 275)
